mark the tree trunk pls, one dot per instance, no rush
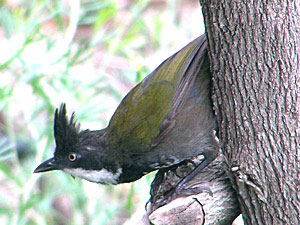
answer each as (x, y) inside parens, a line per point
(254, 50)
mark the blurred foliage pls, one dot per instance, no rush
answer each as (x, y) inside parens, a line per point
(88, 54)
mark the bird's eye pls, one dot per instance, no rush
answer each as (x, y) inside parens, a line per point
(72, 157)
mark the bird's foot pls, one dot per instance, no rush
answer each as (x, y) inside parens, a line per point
(182, 191)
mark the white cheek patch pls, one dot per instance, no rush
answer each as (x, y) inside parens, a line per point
(99, 176)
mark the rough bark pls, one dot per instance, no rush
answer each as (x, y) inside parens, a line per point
(254, 54)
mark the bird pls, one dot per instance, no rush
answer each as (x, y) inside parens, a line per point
(164, 120)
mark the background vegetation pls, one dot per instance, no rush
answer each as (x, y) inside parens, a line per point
(88, 54)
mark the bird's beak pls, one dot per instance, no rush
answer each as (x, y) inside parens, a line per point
(48, 165)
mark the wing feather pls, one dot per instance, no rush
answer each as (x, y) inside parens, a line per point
(145, 115)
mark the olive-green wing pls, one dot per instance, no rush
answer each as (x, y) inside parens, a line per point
(145, 115)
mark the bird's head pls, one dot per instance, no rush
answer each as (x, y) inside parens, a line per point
(80, 153)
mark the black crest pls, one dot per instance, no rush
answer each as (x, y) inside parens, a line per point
(65, 132)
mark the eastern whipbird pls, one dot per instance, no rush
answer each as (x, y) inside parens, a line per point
(164, 120)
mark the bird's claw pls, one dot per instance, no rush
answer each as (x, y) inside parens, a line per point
(180, 191)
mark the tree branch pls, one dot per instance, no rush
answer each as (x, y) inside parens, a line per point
(220, 208)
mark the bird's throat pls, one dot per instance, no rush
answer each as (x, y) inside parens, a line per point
(102, 176)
